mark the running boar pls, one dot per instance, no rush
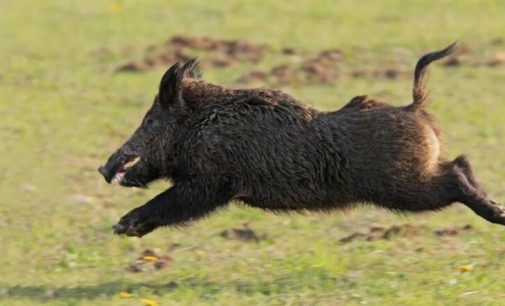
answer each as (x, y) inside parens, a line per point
(271, 151)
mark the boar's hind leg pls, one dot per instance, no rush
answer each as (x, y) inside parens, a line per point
(180, 204)
(456, 183)
(473, 195)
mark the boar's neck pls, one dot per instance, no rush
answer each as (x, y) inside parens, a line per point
(198, 95)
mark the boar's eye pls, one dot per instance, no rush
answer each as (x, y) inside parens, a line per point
(150, 122)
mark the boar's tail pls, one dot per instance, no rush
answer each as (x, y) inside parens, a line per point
(419, 91)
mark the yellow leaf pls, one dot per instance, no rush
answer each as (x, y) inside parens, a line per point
(125, 294)
(148, 302)
(465, 268)
(114, 8)
(150, 258)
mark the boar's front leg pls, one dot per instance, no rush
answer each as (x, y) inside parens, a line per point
(178, 205)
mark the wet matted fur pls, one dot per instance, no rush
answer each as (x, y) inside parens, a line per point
(271, 151)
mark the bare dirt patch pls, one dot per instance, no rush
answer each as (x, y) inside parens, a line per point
(212, 53)
(322, 68)
(393, 72)
(461, 56)
(300, 67)
(453, 231)
(377, 232)
(245, 233)
(497, 59)
(466, 56)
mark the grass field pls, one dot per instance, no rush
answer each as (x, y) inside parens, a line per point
(63, 110)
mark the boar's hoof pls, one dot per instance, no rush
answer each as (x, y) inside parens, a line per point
(135, 224)
(119, 229)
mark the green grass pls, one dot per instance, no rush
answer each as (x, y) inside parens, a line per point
(63, 111)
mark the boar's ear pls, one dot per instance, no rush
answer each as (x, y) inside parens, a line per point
(191, 69)
(170, 84)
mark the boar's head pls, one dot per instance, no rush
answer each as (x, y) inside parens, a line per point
(147, 155)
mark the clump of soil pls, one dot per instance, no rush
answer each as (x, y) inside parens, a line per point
(323, 67)
(497, 59)
(152, 60)
(462, 55)
(453, 231)
(223, 52)
(319, 69)
(214, 53)
(497, 41)
(394, 72)
(150, 260)
(378, 232)
(245, 233)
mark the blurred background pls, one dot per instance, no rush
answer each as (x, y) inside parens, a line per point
(77, 77)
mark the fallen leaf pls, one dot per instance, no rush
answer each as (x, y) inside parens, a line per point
(125, 294)
(114, 8)
(150, 258)
(465, 268)
(148, 302)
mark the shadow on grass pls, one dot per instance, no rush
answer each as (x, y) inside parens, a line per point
(83, 292)
(318, 279)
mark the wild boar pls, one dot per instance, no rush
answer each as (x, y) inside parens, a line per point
(269, 150)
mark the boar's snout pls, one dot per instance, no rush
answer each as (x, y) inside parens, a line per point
(109, 170)
(116, 167)
(106, 172)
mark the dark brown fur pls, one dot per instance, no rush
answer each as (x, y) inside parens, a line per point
(269, 150)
